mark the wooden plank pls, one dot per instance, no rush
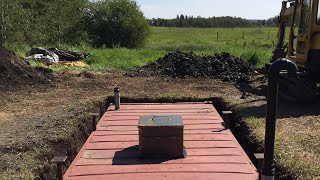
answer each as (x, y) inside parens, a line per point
(168, 176)
(160, 168)
(125, 114)
(135, 132)
(143, 106)
(130, 138)
(167, 111)
(131, 153)
(134, 127)
(189, 160)
(136, 118)
(187, 144)
(135, 122)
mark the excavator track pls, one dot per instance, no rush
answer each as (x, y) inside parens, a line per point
(301, 90)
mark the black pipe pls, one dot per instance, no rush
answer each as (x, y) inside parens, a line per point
(268, 170)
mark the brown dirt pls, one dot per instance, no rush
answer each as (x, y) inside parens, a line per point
(14, 71)
(42, 120)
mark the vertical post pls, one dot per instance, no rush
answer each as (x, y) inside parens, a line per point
(217, 36)
(59, 160)
(226, 118)
(243, 35)
(117, 98)
(101, 108)
(268, 170)
(94, 120)
(259, 157)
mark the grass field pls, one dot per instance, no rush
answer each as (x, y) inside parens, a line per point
(254, 44)
(247, 43)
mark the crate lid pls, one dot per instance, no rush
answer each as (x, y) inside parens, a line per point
(163, 120)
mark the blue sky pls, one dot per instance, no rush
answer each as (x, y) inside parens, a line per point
(249, 9)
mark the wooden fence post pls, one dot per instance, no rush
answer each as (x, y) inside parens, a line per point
(243, 35)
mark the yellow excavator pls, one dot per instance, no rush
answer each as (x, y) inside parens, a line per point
(302, 19)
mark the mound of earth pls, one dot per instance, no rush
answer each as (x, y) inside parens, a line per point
(14, 71)
(181, 65)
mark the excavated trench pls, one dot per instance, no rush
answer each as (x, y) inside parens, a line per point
(71, 145)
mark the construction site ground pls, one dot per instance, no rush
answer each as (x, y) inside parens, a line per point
(44, 120)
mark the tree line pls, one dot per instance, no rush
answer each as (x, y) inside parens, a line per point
(211, 22)
(110, 23)
(51, 22)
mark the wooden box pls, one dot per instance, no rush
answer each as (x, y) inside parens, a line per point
(161, 136)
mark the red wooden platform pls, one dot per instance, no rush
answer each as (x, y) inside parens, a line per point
(212, 152)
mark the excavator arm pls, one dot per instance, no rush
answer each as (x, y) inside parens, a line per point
(303, 48)
(286, 12)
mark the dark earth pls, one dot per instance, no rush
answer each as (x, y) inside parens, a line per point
(182, 65)
(14, 71)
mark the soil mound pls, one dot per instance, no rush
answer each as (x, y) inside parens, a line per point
(181, 65)
(14, 71)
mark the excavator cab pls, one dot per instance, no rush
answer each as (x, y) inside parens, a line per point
(304, 38)
(302, 18)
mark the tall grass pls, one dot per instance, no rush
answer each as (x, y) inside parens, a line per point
(246, 43)
(252, 44)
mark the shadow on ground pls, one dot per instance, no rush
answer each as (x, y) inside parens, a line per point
(130, 156)
(285, 109)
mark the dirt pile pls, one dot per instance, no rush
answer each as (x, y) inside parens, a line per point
(181, 65)
(14, 71)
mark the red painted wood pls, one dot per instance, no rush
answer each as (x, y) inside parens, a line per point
(136, 117)
(134, 122)
(188, 160)
(212, 152)
(135, 132)
(187, 137)
(126, 115)
(160, 168)
(135, 127)
(187, 144)
(104, 154)
(167, 111)
(160, 106)
(168, 176)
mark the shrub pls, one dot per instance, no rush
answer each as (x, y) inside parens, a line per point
(251, 57)
(116, 23)
(254, 59)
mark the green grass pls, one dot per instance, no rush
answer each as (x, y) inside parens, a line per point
(257, 42)
(256, 46)
(122, 58)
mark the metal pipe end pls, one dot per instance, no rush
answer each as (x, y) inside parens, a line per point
(116, 89)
